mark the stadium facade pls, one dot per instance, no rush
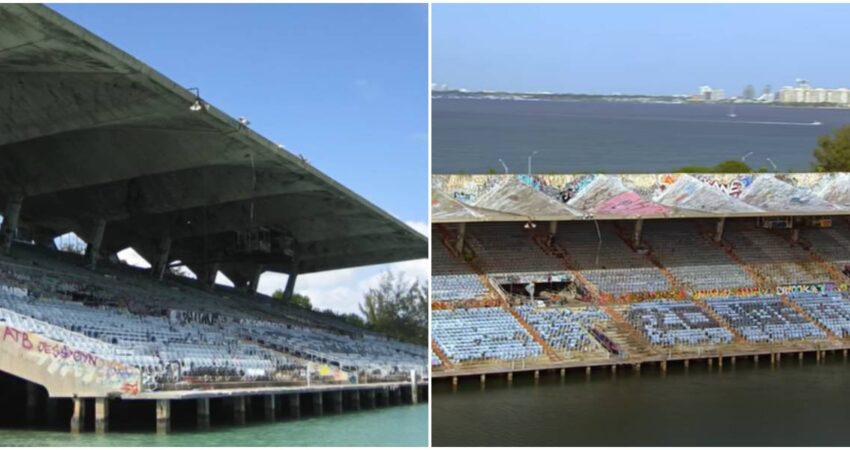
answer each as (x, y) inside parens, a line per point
(578, 271)
(93, 141)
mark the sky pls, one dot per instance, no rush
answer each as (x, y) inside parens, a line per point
(344, 85)
(639, 49)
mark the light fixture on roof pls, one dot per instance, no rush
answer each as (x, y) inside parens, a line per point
(530, 225)
(197, 105)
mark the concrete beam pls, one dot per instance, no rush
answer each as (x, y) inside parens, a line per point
(78, 417)
(101, 415)
(163, 416)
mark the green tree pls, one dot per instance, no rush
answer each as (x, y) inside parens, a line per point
(299, 300)
(397, 308)
(833, 152)
(730, 166)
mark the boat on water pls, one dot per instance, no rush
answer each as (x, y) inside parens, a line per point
(816, 123)
(732, 111)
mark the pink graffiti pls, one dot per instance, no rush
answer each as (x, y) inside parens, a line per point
(18, 336)
(629, 203)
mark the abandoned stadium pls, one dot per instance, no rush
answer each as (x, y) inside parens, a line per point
(586, 273)
(96, 143)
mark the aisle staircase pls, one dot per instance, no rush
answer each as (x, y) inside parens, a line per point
(444, 360)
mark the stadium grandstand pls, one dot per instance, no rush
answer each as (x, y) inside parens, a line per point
(98, 144)
(540, 272)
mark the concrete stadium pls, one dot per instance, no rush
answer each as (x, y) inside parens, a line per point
(96, 143)
(592, 272)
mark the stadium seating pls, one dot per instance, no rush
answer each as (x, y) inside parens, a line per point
(478, 334)
(507, 248)
(456, 287)
(832, 311)
(833, 244)
(564, 329)
(691, 259)
(669, 323)
(764, 319)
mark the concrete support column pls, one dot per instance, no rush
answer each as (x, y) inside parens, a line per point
(239, 410)
(483, 379)
(163, 416)
(254, 282)
(563, 372)
(290, 286)
(11, 216)
(370, 396)
(397, 395)
(162, 254)
(461, 235)
(638, 231)
(295, 406)
(718, 232)
(414, 393)
(270, 407)
(663, 366)
(795, 235)
(385, 400)
(210, 272)
(93, 247)
(78, 418)
(101, 415)
(336, 398)
(355, 399)
(203, 413)
(32, 403)
(50, 410)
(317, 403)
(587, 371)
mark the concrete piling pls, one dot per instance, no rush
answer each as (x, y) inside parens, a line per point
(317, 404)
(163, 416)
(203, 413)
(295, 406)
(78, 417)
(336, 399)
(239, 407)
(270, 408)
(101, 415)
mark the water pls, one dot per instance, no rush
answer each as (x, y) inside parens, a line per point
(791, 405)
(405, 426)
(471, 135)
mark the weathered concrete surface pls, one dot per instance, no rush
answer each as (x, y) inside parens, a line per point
(61, 369)
(88, 132)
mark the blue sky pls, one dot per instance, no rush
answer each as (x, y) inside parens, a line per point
(652, 49)
(344, 85)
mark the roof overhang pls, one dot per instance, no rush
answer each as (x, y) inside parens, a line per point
(88, 132)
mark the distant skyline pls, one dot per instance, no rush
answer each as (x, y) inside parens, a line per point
(344, 85)
(659, 49)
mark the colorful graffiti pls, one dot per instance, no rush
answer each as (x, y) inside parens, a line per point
(54, 360)
(629, 195)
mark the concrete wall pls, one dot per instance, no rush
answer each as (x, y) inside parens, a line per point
(63, 370)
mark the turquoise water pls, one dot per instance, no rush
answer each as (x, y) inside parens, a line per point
(404, 426)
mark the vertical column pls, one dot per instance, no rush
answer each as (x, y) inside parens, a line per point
(370, 397)
(718, 232)
(295, 406)
(337, 401)
(210, 272)
(413, 388)
(355, 399)
(461, 235)
(163, 416)
(638, 231)
(290, 286)
(397, 395)
(317, 403)
(163, 252)
(270, 407)
(101, 415)
(32, 403)
(78, 418)
(255, 279)
(10, 221)
(203, 413)
(93, 248)
(50, 411)
(239, 410)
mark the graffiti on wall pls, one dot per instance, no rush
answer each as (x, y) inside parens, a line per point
(62, 361)
(631, 195)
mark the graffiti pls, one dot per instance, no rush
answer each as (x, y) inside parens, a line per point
(817, 288)
(729, 292)
(60, 360)
(635, 194)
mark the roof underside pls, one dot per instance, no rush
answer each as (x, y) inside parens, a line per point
(88, 132)
(499, 198)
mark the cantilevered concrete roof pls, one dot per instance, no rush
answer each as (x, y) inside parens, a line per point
(88, 132)
(491, 198)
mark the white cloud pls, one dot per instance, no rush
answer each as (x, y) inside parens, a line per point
(342, 290)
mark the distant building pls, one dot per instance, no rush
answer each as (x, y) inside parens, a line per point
(803, 92)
